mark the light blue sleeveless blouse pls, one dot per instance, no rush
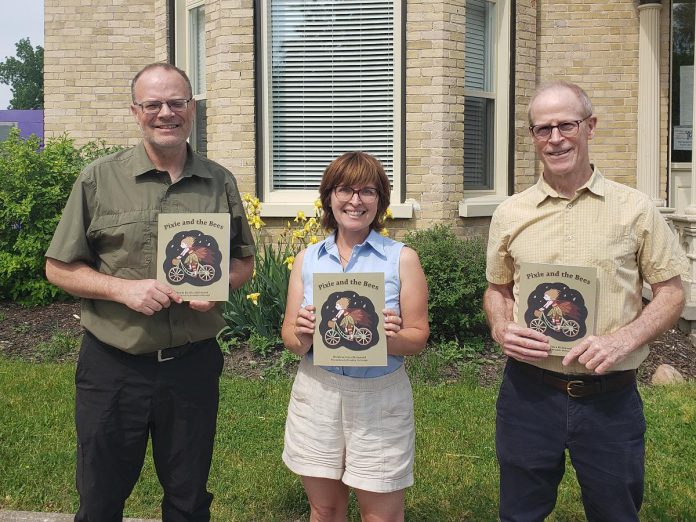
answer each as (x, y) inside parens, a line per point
(376, 254)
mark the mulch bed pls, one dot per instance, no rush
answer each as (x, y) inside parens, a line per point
(22, 329)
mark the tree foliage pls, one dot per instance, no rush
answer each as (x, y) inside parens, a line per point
(24, 75)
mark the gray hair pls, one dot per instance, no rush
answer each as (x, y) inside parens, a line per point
(159, 65)
(580, 94)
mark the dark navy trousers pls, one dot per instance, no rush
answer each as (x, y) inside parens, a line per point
(604, 436)
(122, 400)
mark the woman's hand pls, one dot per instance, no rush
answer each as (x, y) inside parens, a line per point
(305, 322)
(392, 322)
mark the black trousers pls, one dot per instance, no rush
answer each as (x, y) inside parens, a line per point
(123, 399)
(604, 436)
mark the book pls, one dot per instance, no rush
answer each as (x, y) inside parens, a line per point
(349, 319)
(559, 301)
(193, 254)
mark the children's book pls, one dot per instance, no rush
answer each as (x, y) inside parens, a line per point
(193, 254)
(349, 319)
(559, 301)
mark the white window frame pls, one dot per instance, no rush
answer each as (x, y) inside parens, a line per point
(183, 53)
(480, 203)
(284, 203)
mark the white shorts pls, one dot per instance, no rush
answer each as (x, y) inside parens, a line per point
(360, 431)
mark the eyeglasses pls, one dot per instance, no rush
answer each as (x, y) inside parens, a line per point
(154, 106)
(568, 129)
(366, 194)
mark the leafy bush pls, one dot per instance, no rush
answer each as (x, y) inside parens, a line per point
(34, 185)
(456, 273)
(257, 309)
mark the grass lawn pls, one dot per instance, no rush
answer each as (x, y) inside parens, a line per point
(456, 472)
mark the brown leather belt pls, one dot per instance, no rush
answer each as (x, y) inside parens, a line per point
(578, 386)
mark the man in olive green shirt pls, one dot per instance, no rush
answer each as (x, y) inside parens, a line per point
(586, 401)
(149, 363)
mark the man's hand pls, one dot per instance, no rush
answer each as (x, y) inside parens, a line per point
(201, 306)
(523, 344)
(600, 353)
(518, 342)
(146, 296)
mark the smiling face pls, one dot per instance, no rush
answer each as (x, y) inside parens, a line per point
(356, 170)
(354, 215)
(563, 157)
(165, 130)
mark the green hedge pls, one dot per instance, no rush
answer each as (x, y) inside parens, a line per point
(456, 273)
(35, 183)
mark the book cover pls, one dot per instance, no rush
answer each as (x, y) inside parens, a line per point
(193, 254)
(349, 319)
(559, 301)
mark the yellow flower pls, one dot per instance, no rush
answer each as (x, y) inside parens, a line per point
(300, 216)
(256, 222)
(289, 261)
(247, 197)
(313, 240)
(385, 232)
(254, 298)
(317, 204)
(389, 214)
(298, 234)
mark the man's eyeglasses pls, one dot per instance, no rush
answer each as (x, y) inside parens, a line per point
(366, 194)
(154, 106)
(568, 129)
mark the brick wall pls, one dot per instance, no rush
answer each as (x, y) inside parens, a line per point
(230, 86)
(92, 50)
(595, 44)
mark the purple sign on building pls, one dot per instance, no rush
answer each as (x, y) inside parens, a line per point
(29, 122)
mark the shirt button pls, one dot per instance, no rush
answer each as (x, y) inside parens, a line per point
(570, 238)
(570, 205)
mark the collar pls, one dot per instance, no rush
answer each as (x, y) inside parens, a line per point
(374, 240)
(595, 185)
(194, 166)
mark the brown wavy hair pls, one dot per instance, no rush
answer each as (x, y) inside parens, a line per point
(354, 169)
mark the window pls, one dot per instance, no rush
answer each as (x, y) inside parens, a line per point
(330, 83)
(190, 56)
(486, 105)
(682, 79)
(5, 128)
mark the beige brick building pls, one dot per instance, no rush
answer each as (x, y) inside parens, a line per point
(436, 89)
(93, 48)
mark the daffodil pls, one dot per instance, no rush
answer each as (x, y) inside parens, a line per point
(256, 222)
(385, 232)
(389, 214)
(254, 298)
(300, 216)
(289, 261)
(313, 240)
(317, 204)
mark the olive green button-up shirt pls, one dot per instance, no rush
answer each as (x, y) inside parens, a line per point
(110, 223)
(606, 225)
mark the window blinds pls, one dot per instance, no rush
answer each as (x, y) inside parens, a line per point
(478, 111)
(331, 86)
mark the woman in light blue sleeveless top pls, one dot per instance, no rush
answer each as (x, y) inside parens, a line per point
(353, 426)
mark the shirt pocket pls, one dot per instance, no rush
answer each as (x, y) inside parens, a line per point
(124, 240)
(614, 250)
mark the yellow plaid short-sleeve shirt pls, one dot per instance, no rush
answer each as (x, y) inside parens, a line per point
(610, 226)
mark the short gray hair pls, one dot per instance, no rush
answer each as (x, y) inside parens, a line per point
(561, 84)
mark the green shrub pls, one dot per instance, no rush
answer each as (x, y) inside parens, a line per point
(456, 273)
(258, 307)
(34, 185)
